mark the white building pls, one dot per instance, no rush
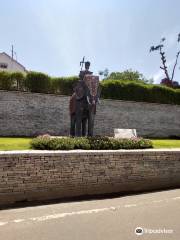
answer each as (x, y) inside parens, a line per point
(9, 64)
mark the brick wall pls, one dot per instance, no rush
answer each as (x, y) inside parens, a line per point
(31, 114)
(42, 175)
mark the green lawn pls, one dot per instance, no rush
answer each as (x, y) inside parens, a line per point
(14, 143)
(166, 143)
(24, 143)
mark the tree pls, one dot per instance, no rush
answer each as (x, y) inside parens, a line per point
(169, 79)
(104, 73)
(129, 75)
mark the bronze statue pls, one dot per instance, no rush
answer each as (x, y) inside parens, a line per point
(83, 102)
(86, 71)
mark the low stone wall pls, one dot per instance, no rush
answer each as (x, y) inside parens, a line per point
(32, 114)
(42, 175)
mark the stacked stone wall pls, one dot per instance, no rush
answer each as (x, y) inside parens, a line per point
(32, 114)
(44, 175)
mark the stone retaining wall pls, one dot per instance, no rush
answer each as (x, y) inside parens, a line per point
(42, 175)
(32, 114)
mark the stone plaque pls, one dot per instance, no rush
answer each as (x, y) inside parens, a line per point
(125, 133)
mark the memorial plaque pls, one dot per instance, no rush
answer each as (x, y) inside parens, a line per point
(125, 133)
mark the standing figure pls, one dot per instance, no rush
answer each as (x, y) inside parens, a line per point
(86, 71)
(72, 109)
(83, 102)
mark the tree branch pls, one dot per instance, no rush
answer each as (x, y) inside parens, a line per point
(177, 56)
(164, 63)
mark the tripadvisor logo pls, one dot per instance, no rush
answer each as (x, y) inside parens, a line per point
(139, 231)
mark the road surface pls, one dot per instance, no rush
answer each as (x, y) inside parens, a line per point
(157, 214)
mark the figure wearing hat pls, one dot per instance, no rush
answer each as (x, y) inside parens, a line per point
(86, 71)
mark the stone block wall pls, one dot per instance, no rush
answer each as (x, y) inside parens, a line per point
(32, 114)
(42, 175)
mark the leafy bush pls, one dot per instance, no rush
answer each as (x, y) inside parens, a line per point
(81, 143)
(93, 143)
(63, 85)
(6, 83)
(128, 75)
(19, 79)
(61, 143)
(111, 88)
(41, 142)
(134, 91)
(37, 82)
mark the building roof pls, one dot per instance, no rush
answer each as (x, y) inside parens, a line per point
(3, 53)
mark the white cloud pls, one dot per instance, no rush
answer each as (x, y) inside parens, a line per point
(158, 76)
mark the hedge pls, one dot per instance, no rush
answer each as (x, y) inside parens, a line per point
(88, 143)
(63, 85)
(37, 82)
(111, 89)
(19, 79)
(6, 83)
(133, 91)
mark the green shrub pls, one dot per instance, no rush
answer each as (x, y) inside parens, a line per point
(134, 91)
(41, 142)
(61, 143)
(129, 75)
(99, 143)
(37, 82)
(54, 86)
(110, 88)
(19, 79)
(81, 143)
(6, 83)
(93, 143)
(63, 85)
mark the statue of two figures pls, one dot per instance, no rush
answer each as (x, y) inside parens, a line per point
(83, 102)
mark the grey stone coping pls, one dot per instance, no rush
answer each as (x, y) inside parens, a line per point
(86, 152)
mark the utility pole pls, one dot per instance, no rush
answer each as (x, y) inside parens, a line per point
(12, 52)
(12, 57)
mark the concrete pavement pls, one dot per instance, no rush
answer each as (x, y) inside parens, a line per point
(107, 219)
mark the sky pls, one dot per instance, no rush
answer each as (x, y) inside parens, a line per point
(52, 36)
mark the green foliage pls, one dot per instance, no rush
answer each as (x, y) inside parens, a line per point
(104, 73)
(129, 75)
(61, 143)
(13, 143)
(6, 83)
(63, 85)
(135, 91)
(100, 143)
(130, 90)
(93, 143)
(81, 143)
(19, 79)
(37, 82)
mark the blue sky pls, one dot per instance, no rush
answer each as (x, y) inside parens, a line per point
(52, 36)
